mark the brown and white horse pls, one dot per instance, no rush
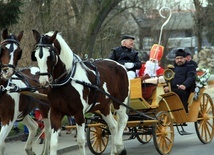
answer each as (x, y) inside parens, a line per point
(13, 105)
(75, 88)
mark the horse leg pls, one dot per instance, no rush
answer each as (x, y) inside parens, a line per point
(56, 118)
(47, 136)
(81, 138)
(122, 122)
(32, 127)
(54, 141)
(113, 127)
(5, 130)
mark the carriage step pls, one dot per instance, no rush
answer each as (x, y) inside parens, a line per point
(182, 132)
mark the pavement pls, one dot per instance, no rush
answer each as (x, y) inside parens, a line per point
(67, 142)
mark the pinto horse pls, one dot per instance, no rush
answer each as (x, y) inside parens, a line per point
(13, 105)
(77, 87)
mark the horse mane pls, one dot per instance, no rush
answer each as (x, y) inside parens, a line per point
(66, 49)
(66, 54)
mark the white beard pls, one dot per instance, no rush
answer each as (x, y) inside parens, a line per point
(150, 68)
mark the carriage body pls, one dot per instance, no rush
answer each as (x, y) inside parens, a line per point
(149, 97)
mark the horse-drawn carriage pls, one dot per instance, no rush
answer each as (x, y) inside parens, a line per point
(148, 99)
(77, 87)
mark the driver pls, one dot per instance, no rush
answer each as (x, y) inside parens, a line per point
(127, 56)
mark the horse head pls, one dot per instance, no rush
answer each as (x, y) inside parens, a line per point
(10, 53)
(46, 54)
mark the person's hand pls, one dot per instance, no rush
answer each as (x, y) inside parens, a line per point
(129, 65)
(181, 87)
(166, 89)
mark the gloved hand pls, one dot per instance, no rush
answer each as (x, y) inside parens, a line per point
(129, 65)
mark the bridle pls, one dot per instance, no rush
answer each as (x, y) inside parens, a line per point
(65, 77)
(11, 49)
(53, 55)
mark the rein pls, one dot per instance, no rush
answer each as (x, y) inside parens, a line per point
(111, 97)
(95, 87)
(13, 88)
(71, 74)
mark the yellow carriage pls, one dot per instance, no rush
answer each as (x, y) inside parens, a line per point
(148, 98)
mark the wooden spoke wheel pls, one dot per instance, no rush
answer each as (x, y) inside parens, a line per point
(143, 138)
(163, 133)
(97, 139)
(205, 124)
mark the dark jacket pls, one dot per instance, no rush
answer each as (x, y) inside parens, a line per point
(193, 62)
(123, 54)
(184, 74)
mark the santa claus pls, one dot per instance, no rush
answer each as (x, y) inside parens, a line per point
(152, 67)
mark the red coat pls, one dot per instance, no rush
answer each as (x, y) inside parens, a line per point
(38, 118)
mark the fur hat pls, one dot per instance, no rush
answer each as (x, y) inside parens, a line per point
(180, 52)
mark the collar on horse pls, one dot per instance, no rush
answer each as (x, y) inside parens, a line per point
(69, 76)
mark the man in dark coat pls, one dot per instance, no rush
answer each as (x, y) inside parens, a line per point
(189, 59)
(126, 55)
(184, 78)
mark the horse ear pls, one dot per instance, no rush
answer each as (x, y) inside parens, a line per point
(53, 55)
(19, 37)
(20, 55)
(53, 37)
(36, 35)
(4, 34)
(33, 58)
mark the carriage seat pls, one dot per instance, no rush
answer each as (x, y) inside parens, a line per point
(148, 89)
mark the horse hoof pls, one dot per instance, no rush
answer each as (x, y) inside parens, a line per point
(123, 152)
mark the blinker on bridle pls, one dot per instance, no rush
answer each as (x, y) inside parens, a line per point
(41, 45)
(11, 48)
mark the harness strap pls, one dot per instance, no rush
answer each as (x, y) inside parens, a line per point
(8, 65)
(113, 98)
(10, 40)
(56, 82)
(97, 84)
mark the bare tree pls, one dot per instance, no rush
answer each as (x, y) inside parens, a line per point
(90, 27)
(199, 15)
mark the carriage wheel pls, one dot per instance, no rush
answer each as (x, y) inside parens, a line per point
(144, 139)
(204, 125)
(163, 133)
(97, 139)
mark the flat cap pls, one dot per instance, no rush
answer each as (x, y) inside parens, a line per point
(128, 37)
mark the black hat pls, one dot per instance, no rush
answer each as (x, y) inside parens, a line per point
(128, 37)
(180, 52)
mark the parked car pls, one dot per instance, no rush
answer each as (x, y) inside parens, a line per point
(171, 55)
